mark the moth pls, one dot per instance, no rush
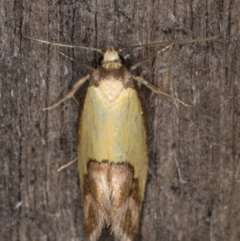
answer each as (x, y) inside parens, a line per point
(112, 143)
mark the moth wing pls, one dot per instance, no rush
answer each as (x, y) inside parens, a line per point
(112, 136)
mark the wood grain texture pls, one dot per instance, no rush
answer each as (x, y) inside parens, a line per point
(201, 142)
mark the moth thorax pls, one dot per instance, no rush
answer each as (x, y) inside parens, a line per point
(111, 59)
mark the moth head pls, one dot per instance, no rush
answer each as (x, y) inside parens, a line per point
(111, 59)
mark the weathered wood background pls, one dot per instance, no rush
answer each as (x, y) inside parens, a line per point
(193, 190)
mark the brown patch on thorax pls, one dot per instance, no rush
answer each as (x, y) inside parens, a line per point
(121, 74)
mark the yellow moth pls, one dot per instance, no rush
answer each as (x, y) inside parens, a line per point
(112, 147)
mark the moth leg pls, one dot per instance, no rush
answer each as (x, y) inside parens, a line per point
(140, 63)
(81, 64)
(67, 165)
(156, 90)
(70, 94)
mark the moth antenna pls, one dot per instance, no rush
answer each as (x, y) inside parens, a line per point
(54, 43)
(169, 43)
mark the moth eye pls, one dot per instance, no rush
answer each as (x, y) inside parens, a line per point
(100, 61)
(122, 59)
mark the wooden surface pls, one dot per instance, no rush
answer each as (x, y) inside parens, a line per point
(193, 188)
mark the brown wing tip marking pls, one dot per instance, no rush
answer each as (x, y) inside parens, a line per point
(111, 198)
(130, 223)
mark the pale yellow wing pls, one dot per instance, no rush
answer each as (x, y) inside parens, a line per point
(113, 131)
